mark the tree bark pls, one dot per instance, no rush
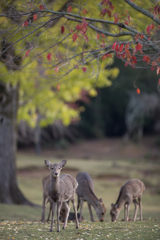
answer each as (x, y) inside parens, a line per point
(9, 190)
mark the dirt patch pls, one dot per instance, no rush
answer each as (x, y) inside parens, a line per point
(113, 177)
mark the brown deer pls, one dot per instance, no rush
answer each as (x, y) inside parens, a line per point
(129, 192)
(61, 190)
(85, 192)
(46, 199)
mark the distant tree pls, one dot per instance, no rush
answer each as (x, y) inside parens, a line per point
(50, 50)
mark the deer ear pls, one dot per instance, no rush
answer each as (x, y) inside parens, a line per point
(63, 163)
(47, 163)
(112, 205)
(101, 201)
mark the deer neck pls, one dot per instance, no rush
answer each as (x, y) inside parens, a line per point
(92, 200)
(54, 188)
(120, 203)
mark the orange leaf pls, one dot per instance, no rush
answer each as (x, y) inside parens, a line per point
(138, 91)
(62, 29)
(97, 36)
(56, 69)
(69, 9)
(58, 86)
(27, 53)
(41, 7)
(49, 56)
(35, 17)
(102, 35)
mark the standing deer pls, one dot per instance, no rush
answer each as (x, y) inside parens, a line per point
(46, 199)
(85, 192)
(61, 190)
(129, 192)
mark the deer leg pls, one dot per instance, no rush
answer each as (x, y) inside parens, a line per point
(67, 214)
(53, 210)
(43, 209)
(81, 208)
(126, 214)
(135, 211)
(59, 204)
(75, 211)
(78, 203)
(91, 214)
(50, 209)
(140, 207)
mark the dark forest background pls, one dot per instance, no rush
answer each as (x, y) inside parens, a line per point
(116, 111)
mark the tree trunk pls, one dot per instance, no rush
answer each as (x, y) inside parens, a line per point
(9, 191)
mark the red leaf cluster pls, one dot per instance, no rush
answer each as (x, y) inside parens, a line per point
(138, 47)
(27, 53)
(75, 36)
(25, 24)
(134, 60)
(83, 29)
(62, 29)
(49, 56)
(107, 55)
(113, 46)
(156, 9)
(105, 10)
(149, 28)
(35, 17)
(146, 58)
(84, 11)
(141, 36)
(69, 9)
(107, 2)
(84, 69)
(41, 7)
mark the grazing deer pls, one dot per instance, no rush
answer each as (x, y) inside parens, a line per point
(85, 192)
(129, 192)
(61, 190)
(46, 199)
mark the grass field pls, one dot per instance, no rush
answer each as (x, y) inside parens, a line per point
(109, 170)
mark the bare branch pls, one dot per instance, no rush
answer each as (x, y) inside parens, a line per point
(143, 11)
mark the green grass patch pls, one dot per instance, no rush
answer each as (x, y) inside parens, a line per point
(23, 222)
(145, 230)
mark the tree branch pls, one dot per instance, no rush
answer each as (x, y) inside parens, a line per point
(143, 11)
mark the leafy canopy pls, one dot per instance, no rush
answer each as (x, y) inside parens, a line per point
(54, 49)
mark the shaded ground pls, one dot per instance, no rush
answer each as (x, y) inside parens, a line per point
(111, 148)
